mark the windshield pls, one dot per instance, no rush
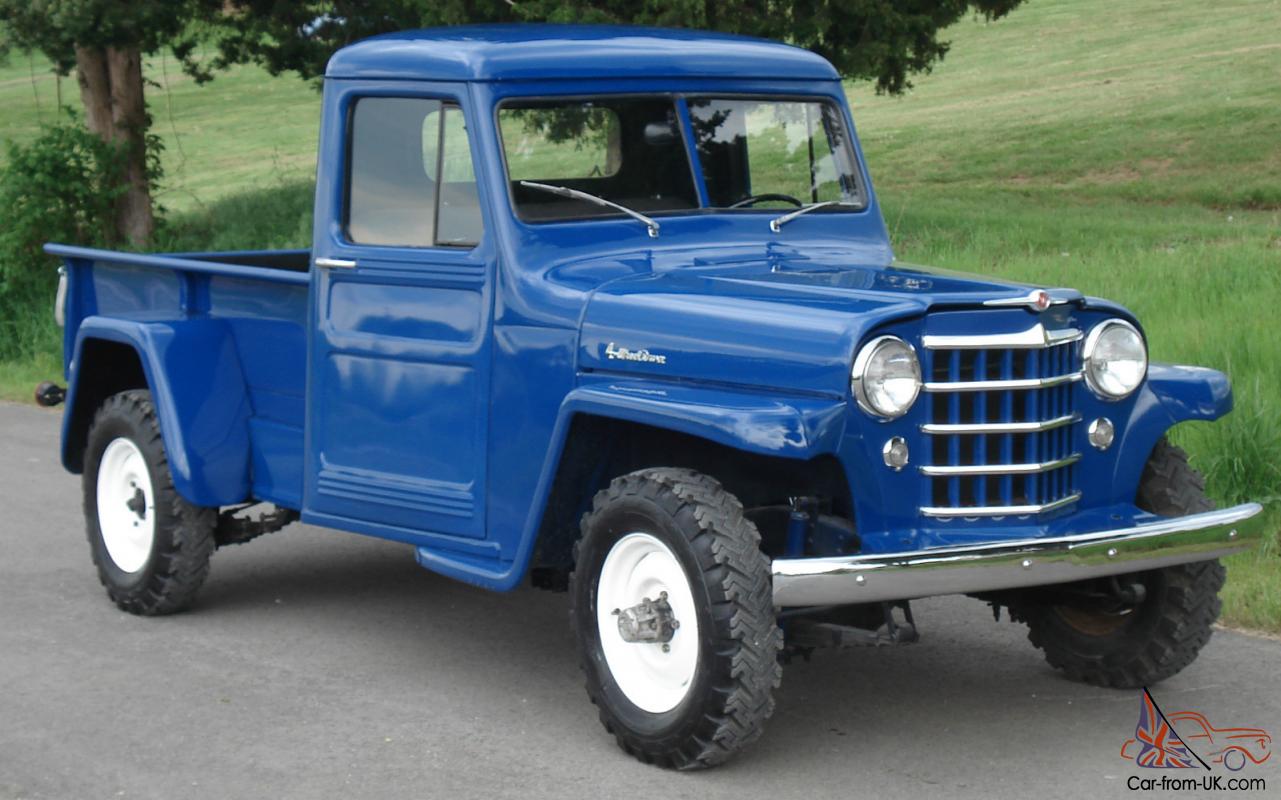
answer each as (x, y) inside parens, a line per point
(626, 150)
(754, 154)
(770, 153)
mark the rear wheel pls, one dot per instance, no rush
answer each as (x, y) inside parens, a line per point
(151, 547)
(673, 610)
(1136, 644)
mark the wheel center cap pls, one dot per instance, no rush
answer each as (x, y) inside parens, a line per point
(647, 622)
(137, 504)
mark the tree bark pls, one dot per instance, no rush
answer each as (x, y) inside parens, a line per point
(95, 90)
(111, 91)
(134, 218)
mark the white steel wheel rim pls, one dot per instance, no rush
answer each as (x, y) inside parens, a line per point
(122, 476)
(640, 566)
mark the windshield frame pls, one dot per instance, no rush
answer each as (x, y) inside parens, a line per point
(679, 101)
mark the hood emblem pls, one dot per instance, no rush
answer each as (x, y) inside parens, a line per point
(614, 352)
(1036, 300)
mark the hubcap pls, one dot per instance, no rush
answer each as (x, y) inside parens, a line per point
(126, 505)
(646, 620)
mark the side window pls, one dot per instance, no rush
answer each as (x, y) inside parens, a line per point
(458, 221)
(411, 182)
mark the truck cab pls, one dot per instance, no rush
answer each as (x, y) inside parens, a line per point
(615, 310)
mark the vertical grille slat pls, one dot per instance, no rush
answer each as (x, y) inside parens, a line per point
(1007, 408)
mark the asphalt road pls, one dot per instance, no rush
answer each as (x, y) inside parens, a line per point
(318, 664)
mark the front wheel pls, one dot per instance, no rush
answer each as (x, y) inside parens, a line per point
(1126, 646)
(672, 607)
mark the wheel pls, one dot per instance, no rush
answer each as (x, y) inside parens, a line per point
(1127, 646)
(151, 547)
(672, 606)
(1234, 760)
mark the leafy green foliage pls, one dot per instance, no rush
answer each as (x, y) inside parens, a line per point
(56, 27)
(62, 186)
(869, 39)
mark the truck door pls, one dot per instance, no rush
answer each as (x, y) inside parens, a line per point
(399, 382)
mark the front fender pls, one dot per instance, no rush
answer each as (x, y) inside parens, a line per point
(1170, 395)
(789, 427)
(1189, 393)
(198, 390)
(799, 428)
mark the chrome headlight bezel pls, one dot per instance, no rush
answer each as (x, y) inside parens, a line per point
(1090, 363)
(858, 376)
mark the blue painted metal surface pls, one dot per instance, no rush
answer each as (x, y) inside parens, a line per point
(542, 52)
(426, 394)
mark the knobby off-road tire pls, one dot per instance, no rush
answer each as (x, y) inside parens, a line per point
(708, 696)
(151, 547)
(1164, 633)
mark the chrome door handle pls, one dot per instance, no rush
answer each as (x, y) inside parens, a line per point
(335, 263)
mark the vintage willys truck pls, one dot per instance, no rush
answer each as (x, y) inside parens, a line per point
(615, 310)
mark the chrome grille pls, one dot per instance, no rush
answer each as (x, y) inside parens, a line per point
(1001, 421)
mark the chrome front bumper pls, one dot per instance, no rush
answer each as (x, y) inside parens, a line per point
(1011, 565)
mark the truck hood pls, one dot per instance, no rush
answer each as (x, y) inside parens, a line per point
(792, 326)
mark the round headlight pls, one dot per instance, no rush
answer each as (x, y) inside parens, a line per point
(1116, 359)
(886, 377)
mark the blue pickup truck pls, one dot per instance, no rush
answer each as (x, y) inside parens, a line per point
(614, 311)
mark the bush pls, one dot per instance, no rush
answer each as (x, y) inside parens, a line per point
(60, 187)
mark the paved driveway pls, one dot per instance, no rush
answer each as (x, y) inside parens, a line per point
(319, 664)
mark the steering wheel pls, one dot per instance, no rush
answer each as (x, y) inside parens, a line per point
(761, 198)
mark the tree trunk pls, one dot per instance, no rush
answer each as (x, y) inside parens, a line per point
(111, 91)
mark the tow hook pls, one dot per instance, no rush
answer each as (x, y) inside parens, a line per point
(50, 394)
(649, 621)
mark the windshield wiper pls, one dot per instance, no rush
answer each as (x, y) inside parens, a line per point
(778, 222)
(565, 191)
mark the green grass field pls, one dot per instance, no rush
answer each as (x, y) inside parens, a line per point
(1132, 150)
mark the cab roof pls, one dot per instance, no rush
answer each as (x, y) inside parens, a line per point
(527, 52)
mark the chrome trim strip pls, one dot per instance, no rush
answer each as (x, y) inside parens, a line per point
(1030, 299)
(999, 511)
(1000, 427)
(335, 263)
(999, 386)
(1010, 565)
(60, 300)
(1037, 337)
(999, 469)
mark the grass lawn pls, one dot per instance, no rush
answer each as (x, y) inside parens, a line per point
(1132, 150)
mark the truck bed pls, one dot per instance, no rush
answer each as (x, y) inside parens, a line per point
(247, 306)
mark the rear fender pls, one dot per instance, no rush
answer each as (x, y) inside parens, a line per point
(198, 389)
